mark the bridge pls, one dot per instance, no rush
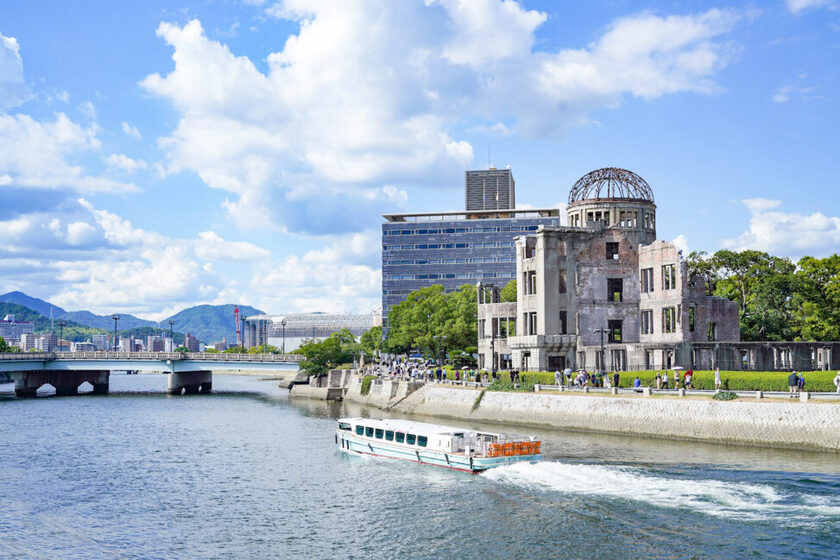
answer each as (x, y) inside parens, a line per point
(187, 372)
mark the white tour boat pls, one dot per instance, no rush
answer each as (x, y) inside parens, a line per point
(432, 444)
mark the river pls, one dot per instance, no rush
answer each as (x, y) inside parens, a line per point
(247, 473)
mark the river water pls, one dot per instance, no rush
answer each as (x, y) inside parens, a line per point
(247, 473)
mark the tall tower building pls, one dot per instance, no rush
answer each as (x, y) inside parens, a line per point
(490, 189)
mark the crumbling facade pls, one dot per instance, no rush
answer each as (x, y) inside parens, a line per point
(604, 293)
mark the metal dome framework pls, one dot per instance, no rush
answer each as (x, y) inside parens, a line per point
(610, 183)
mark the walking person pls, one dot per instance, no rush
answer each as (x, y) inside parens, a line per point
(793, 382)
(617, 378)
(665, 380)
(676, 378)
(837, 382)
(558, 378)
(801, 384)
(717, 379)
(658, 381)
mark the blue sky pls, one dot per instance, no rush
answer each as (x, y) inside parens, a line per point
(156, 155)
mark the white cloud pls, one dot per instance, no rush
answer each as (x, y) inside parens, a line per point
(681, 243)
(125, 163)
(211, 247)
(797, 6)
(368, 93)
(131, 130)
(787, 233)
(13, 90)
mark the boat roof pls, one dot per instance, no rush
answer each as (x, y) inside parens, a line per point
(407, 425)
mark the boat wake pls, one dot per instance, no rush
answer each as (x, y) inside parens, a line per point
(737, 500)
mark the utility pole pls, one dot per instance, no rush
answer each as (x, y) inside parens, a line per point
(60, 332)
(492, 350)
(116, 318)
(283, 324)
(602, 331)
(171, 338)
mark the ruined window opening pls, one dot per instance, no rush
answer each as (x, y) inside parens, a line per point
(615, 290)
(647, 280)
(647, 321)
(669, 277)
(712, 331)
(562, 322)
(615, 330)
(648, 359)
(612, 250)
(582, 360)
(745, 359)
(668, 320)
(691, 317)
(530, 280)
(531, 323)
(561, 280)
(481, 328)
(618, 360)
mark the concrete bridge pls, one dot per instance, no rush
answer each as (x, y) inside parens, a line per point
(187, 372)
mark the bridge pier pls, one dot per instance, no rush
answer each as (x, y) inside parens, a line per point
(190, 382)
(66, 383)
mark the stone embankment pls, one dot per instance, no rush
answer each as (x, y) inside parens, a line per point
(810, 425)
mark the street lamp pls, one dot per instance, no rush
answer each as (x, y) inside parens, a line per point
(60, 333)
(115, 318)
(602, 332)
(283, 324)
(171, 337)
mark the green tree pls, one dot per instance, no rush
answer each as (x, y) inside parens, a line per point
(509, 291)
(211, 351)
(264, 349)
(236, 350)
(371, 340)
(181, 349)
(3, 346)
(321, 356)
(818, 298)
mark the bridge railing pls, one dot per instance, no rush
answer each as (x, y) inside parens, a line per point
(196, 356)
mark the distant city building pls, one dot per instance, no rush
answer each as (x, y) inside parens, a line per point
(192, 344)
(457, 248)
(48, 342)
(12, 329)
(490, 189)
(100, 341)
(168, 345)
(154, 343)
(28, 342)
(86, 346)
(221, 346)
(63, 345)
(287, 332)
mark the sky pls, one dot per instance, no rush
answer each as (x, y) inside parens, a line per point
(157, 155)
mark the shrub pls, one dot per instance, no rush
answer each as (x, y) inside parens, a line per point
(367, 381)
(725, 396)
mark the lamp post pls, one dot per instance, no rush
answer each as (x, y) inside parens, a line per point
(115, 318)
(283, 347)
(171, 337)
(60, 333)
(601, 332)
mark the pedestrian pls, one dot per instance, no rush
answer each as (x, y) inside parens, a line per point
(676, 378)
(558, 378)
(658, 381)
(665, 380)
(617, 378)
(687, 378)
(637, 382)
(837, 381)
(793, 382)
(801, 384)
(717, 379)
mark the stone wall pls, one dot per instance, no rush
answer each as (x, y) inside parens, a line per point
(792, 425)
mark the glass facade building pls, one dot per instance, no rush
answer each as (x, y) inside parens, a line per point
(453, 248)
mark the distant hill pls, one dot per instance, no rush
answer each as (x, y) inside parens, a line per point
(105, 322)
(70, 331)
(209, 323)
(33, 303)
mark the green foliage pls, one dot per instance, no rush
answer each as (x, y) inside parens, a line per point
(321, 356)
(70, 331)
(738, 380)
(264, 349)
(725, 396)
(508, 293)
(478, 399)
(211, 351)
(181, 349)
(371, 340)
(367, 381)
(434, 322)
(525, 385)
(3, 346)
(819, 297)
(236, 350)
(143, 332)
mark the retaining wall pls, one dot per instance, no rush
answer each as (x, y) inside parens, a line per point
(793, 425)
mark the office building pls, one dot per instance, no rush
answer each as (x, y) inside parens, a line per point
(489, 189)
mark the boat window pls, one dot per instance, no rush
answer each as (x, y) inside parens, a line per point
(422, 441)
(379, 433)
(410, 439)
(360, 430)
(389, 435)
(400, 437)
(369, 431)
(344, 426)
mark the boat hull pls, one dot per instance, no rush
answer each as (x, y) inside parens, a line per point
(458, 462)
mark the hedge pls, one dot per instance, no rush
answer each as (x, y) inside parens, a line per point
(822, 381)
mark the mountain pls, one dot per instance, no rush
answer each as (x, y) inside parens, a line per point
(35, 304)
(70, 330)
(106, 322)
(209, 323)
